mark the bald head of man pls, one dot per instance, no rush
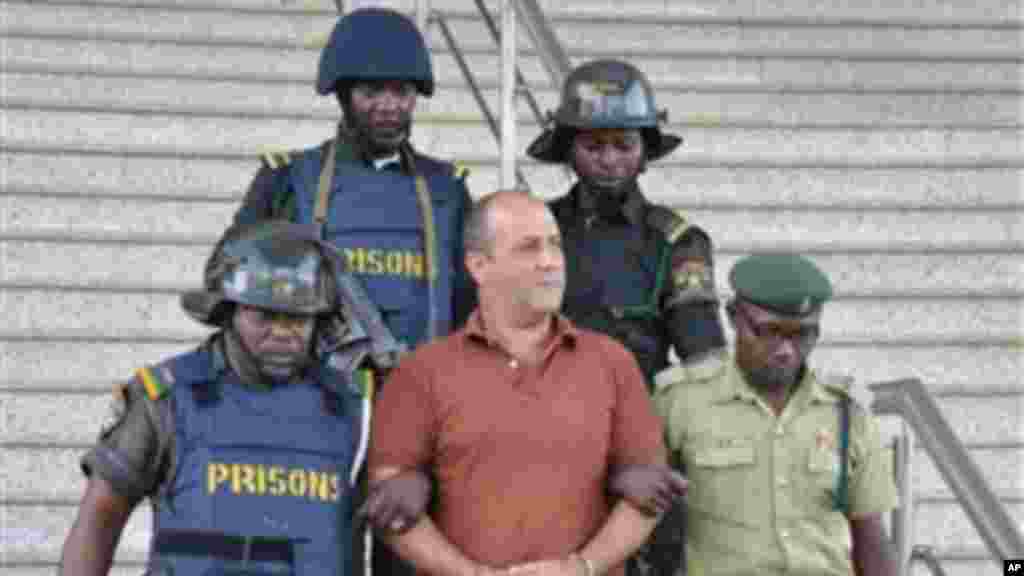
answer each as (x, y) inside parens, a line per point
(514, 253)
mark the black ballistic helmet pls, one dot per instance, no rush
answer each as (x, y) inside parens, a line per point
(272, 265)
(375, 44)
(604, 94)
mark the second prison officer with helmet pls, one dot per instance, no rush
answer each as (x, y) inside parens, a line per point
(635, 270)
(395, 213)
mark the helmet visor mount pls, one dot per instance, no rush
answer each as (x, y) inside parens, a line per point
(600, 104)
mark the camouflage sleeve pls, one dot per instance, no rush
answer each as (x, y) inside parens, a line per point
(269, 193)
(133, 449)
(690, 297)
(872, 486)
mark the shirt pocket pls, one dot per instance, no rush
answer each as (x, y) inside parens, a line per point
(821, 478)
(722, 471)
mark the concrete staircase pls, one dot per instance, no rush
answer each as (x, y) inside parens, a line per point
(884, 138)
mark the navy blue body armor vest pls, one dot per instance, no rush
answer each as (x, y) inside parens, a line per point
(374, 217)
(261, 484)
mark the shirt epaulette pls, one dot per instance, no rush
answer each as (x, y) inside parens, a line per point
(275, 158)
(155, 380)
(700, 371)
(837, 383)
(667, 221)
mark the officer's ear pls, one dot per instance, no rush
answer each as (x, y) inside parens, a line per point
(343, 92)
(476, 264)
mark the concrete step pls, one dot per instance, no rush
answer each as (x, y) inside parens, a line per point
(42, 313)
(77, 172)
(975, 564)
(41, 529)
(100, 130)
(36, 532)
(40, 364)
(945, 526)
(190, 222)
(294, 99)
(133, 267)
(579, 36)
(1003, 470)
(916, 10)
(990, 12)
(628, 38)
(83, 54)
(958, 368)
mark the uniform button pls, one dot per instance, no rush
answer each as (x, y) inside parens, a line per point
(781, 481)
(780, 431)
(784, 534)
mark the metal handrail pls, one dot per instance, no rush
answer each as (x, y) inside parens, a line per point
(524, 88)
(554, 57)
(547, 45)
(474, 87)
(903, 515)
(926, 556)
(909, 398)
(550, 49)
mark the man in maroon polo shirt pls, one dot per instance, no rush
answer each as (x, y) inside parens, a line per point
(520, 417)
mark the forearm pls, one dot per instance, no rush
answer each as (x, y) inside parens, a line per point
(878, 563)
(89, 549)
(872, 553)
(424, 546)
(626, 529)
(427, 549)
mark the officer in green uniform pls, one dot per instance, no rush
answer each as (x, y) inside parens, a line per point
(787, 473)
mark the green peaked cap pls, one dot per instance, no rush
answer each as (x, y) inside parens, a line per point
(787, 284)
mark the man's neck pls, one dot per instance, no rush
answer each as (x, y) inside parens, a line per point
(776, 398)
(241, 363)
(366, 149)
(524, 338)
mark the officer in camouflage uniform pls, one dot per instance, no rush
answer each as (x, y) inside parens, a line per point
(636, 271)
(787, 473)
(246, 446)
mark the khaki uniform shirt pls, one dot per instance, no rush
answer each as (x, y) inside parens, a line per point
(762, 486)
